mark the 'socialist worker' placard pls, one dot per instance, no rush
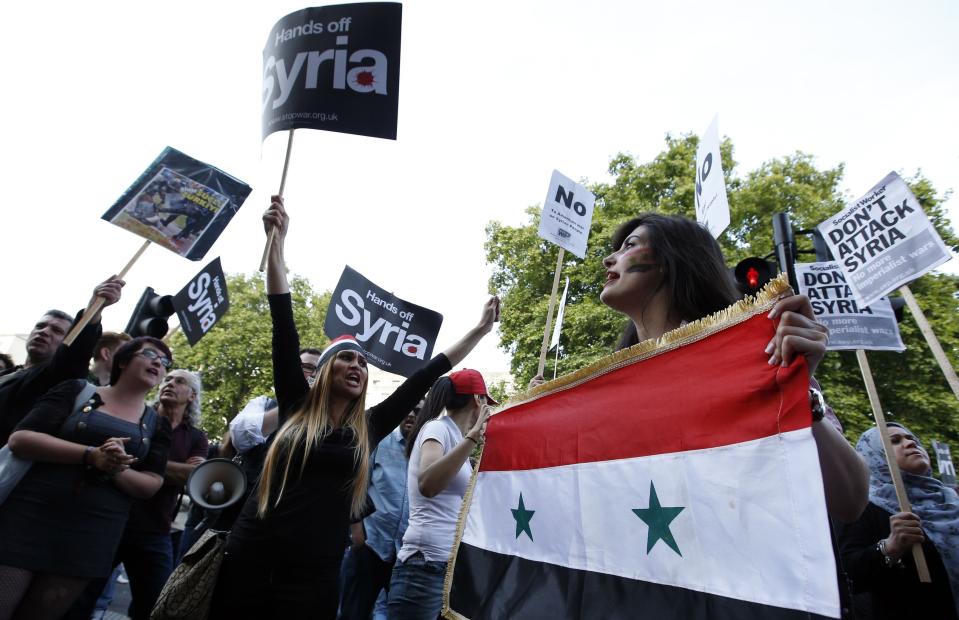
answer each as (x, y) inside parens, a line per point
(397, 336)
(335, 68)
(851, 326)
(567, 214)
(883, 240)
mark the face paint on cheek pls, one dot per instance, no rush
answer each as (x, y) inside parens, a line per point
(641, 261)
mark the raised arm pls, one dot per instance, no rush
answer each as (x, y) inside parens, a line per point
(288, 378)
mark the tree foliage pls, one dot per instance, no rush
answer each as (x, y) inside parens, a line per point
(911, 385)
(234, 358)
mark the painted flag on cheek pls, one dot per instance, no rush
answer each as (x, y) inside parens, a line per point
(677, 479)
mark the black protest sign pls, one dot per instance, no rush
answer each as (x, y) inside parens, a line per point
(398, 336)
(180, 203)
(947, 470)
(202, 302)
(335, 68)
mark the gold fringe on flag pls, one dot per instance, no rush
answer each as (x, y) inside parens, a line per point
(740, 311)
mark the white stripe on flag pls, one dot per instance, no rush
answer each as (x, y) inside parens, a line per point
(753, 525)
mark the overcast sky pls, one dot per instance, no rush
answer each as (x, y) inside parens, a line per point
(493, 96)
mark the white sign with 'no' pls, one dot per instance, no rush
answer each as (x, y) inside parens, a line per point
(567, 214)
(712, 207)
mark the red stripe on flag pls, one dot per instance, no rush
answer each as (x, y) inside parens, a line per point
(715, 392)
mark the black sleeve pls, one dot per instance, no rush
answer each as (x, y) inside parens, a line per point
(52, 409)
(68, 362)
(387, 415)
(155, 460)
(863, 562)
(288, 380)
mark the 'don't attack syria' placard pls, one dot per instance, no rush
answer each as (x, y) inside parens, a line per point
(202, 302)
(335, 68)
(567, 214)
(179, 203)
(883, 240)
(397, 336)
(851, 326)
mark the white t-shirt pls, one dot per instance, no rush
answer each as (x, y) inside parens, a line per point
(432, 525)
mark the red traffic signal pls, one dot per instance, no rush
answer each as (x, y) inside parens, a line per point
(752, 274)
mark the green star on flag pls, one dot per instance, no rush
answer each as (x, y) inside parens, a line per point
(523, 518)
(658, 518)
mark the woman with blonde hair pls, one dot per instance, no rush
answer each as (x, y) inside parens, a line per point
(284, 552)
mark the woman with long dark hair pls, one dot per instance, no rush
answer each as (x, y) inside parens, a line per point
(284, 552)
(438, 449)
(61, 525)
(666, 271)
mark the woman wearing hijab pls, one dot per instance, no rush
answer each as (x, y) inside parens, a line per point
(877, 549)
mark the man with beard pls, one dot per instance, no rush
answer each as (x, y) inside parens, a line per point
(368, 563)
(50, 362)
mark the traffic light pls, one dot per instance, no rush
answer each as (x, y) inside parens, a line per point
(752, 274)
(150, 315)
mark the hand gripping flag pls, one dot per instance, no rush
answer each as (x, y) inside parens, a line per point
(676, 479)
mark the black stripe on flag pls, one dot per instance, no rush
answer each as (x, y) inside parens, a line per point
(488, 585)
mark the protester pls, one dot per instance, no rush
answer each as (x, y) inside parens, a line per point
(439, 473)
(368, 563)
(146, 549)
(284, 552)
(667, 271)
(103, 351)
(48, 361)
(877, 549)
(6, 363)
(61, 525)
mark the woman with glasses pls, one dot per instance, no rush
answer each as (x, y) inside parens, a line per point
(61, 524)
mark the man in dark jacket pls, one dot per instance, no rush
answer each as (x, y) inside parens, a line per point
(49, 361)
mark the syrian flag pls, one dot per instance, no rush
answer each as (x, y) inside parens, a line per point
(678, 479)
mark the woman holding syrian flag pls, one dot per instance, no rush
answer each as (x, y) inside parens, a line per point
(284, 552)
(666, 271)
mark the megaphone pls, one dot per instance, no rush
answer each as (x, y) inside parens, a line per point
(216, 484)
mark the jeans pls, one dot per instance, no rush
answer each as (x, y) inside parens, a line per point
(148, 558)
(416, 590)
(362, 576)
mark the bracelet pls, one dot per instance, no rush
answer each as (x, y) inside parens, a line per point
(817, 404)
(86, 456)
(881, 546)
(473, 440)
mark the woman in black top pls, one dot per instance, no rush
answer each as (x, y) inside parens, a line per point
(877, 549)
(61, 525)
(285, 550)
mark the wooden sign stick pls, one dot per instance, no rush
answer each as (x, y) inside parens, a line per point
(286, 167)
(931, 339)
(549, 313)
(897, 482)
(97, 304)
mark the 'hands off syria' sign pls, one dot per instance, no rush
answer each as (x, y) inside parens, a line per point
(883, 240)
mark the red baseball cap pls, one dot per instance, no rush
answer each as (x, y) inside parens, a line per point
(469, 381)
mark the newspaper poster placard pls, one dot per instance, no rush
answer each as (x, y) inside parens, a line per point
(567, 214)
(335, 68)
(947, 470)
(397, 336)
(851, 326)
(712, 205)
(202, 302)
(883, 240)
(179, 203)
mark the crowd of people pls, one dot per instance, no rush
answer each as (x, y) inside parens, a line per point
(350, 512)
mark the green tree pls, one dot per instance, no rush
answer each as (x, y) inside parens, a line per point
(234, 358)
(911, 385)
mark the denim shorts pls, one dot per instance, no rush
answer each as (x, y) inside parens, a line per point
(416, 589)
